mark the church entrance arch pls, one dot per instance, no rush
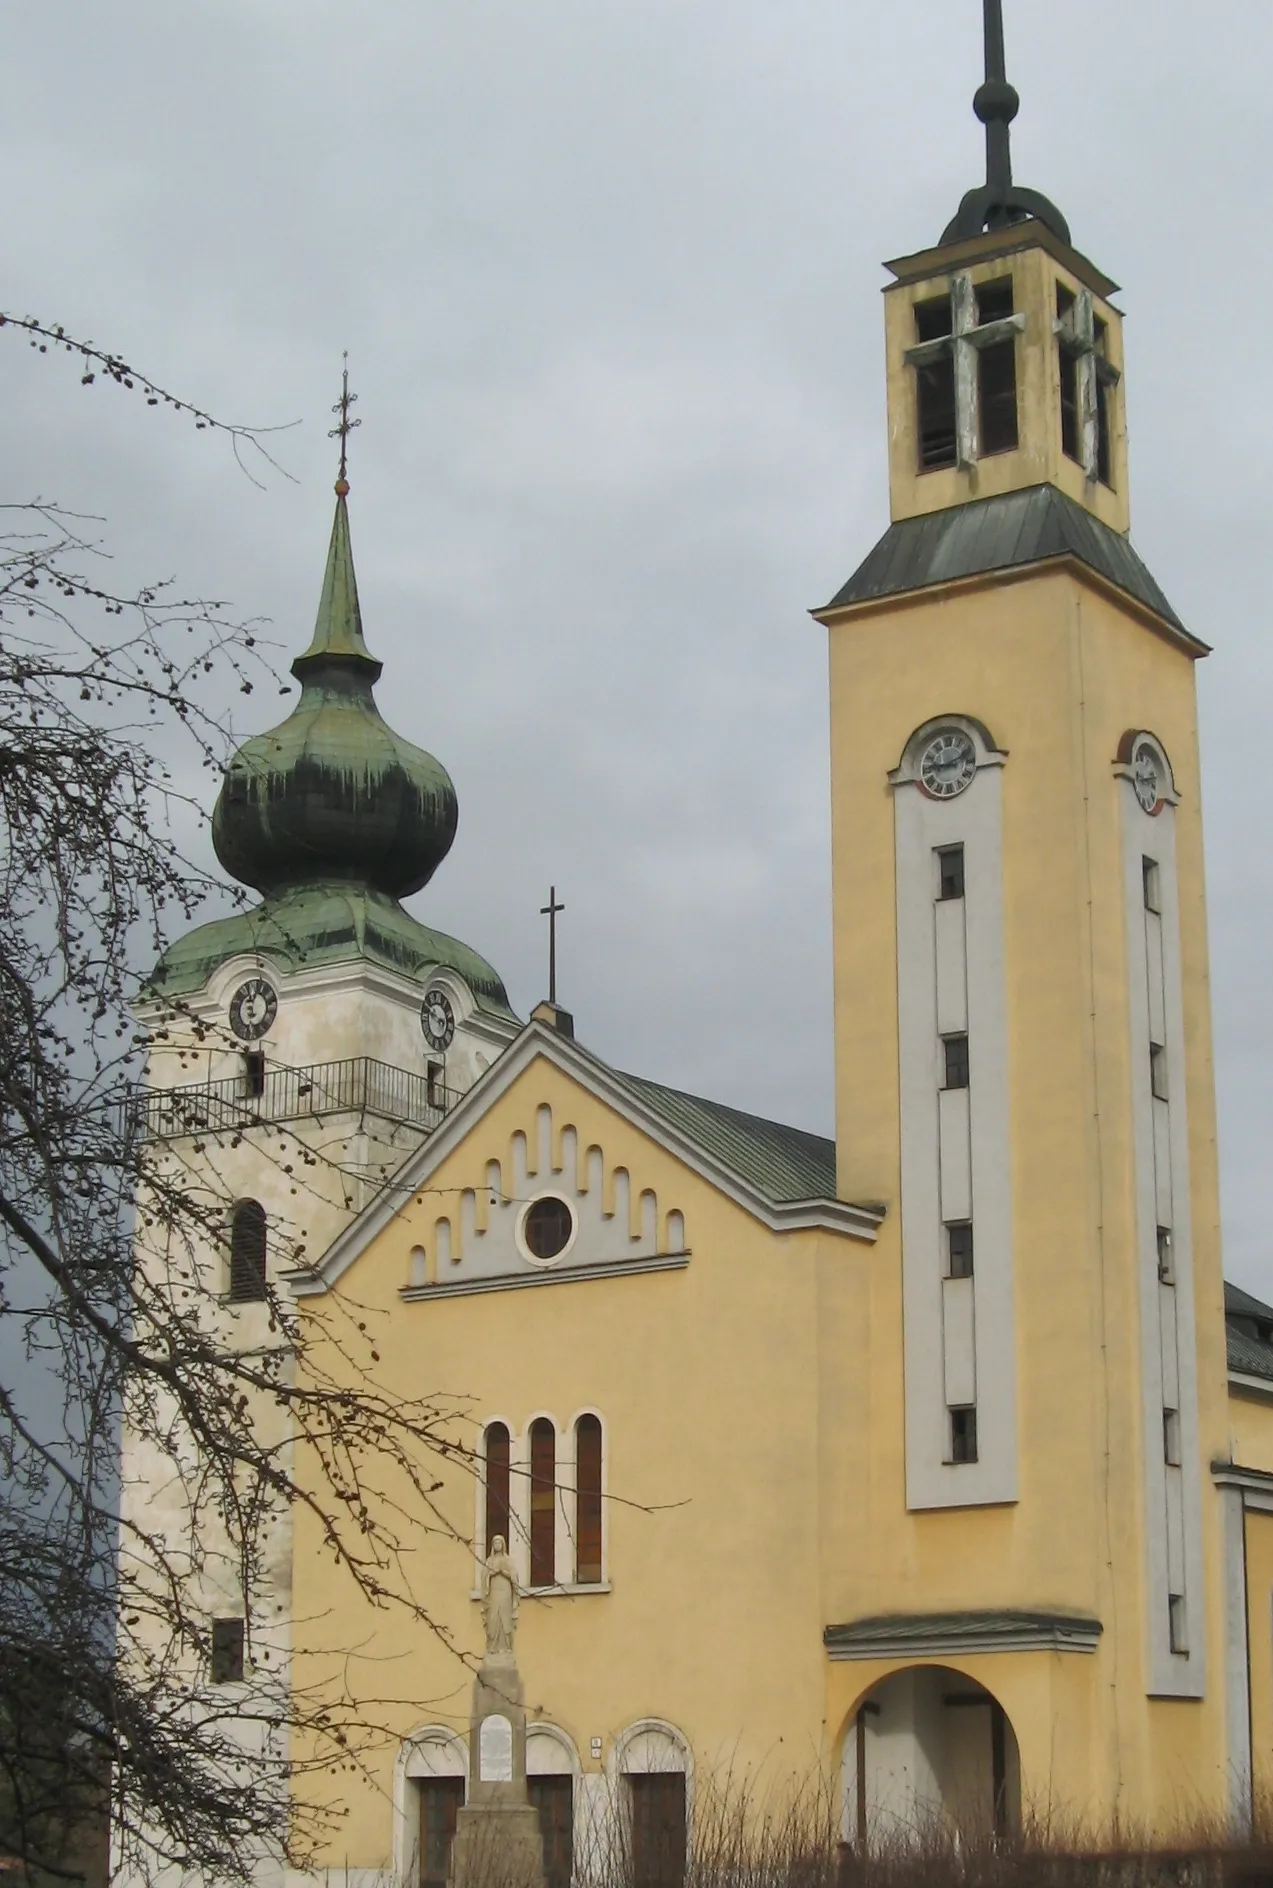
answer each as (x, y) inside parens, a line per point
(929, 1755)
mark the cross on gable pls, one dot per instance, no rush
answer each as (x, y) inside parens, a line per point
(967, 337)
(1081, 337)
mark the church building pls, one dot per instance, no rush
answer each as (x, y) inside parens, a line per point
(933, 1462)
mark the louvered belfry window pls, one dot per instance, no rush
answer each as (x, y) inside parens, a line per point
(588, 1501)
(497, 1484)
(543, 1502)
(247, 1252)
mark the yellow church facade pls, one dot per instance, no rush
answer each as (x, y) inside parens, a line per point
(930, 1467)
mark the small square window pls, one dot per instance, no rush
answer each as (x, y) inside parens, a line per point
(227, 1651)
(1171, 1437)
(994, 301)
(1158, 1071)
(1149, 875)
(955, 1049)
(934, 318)
(959, 1250)
(963, 1435)
(1166, 1266)
(950, 872)
(1178, 1623)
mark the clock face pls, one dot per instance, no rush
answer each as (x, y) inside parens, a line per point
(1145, 778)
(947, 764)
(253, 1008)
(437, 1019)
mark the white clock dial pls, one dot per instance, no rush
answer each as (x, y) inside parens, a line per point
(1145, 779)
(253, 1008)
(948, 764)
(437, 1019)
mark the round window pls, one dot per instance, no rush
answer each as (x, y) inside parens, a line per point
(547, 1227)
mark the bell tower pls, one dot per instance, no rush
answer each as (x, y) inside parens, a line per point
(1023, 1052)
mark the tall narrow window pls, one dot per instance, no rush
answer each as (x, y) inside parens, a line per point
(1101, 333)
(1158, 1071)
(497, 1484)
(963, 1435)
(1149, 876)
(955, 1053)
(959, 1250)
(254, 1071)
(227, 1651)
(657, 1802)
(1166, 1270)
(1069, 384)
(996, 374)
(247, 1253)
(935, 388)
(433, 1077)
(1171, 1437)
(950, 870)
(440, 1799)
(543, 1502)
(1178, 1624)
(554, 1799)
(587, 1501)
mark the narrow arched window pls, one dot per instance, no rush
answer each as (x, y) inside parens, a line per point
(543, 1502)
(497, 1469)
(247, 1252)
(587, 1501)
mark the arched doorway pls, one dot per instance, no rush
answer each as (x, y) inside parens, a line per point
(928, 1755)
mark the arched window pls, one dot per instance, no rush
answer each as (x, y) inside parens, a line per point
(497, 1459)
(247, 1252)
(587, 1501)
(543, 1502)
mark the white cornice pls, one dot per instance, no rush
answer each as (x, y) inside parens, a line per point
(538, 1041)
(1249, 1386)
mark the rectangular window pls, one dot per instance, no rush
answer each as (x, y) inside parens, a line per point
(587, 1501)
(1149, 874)
(227, 1651)
(996, 373)
(440, 1798)
(994, 301)
(1069, 383)
(1171, 1437)
(950, 872)
(1177, 1621)
(935, 318)
(1102, 405)
(254, 1070)
(543, 1502)
(433, 1077)
(935, 388)
(959, 1250)
(657, 1804)
(1166, 1270)
(498, 1452)
(963, 1435)
(955, 1049)
(1158, 1071)
(553, 1798)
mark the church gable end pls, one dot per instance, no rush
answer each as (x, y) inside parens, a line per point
(556, 1206)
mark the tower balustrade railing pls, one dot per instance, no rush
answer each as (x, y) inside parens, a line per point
(357, 1085)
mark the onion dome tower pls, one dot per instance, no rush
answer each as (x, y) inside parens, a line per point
(334, 818)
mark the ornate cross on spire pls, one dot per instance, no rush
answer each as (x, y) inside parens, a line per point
(346, 426)
(999, 202)
(550, 911)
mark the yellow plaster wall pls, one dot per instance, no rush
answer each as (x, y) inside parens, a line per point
(1251, 1430)
(1057, 671)
(1259, 1573)
(707, 1380)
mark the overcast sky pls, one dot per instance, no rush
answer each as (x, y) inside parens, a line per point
(608, 274)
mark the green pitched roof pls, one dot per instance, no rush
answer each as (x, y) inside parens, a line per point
(1249, 1330)
(782, 1163)
(1002, 533)
(326, 924)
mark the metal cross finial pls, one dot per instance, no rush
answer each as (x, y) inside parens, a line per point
(550, 911)
(346, 426)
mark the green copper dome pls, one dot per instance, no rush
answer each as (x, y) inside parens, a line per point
(333, 795)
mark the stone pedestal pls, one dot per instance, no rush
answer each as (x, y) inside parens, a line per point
(497, 1841)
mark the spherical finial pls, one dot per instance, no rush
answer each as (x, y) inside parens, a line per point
(996, 102)
(342, 488)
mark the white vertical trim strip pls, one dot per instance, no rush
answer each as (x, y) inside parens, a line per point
(923, 825)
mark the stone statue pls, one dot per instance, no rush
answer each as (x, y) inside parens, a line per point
(499, 1608)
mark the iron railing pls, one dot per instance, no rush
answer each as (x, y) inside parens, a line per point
(358, 1085)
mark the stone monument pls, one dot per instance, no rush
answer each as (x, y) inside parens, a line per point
(497, 1841)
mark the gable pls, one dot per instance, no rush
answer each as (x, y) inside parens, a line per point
(623, 1217)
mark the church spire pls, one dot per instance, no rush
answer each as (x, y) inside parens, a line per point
(333, 795)
(999, 202)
